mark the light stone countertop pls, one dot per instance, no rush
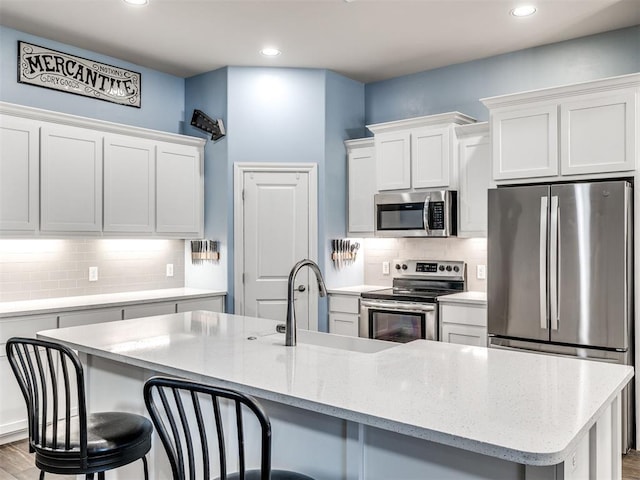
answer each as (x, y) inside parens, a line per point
(356, 289)
(522, 407)
(85, 302)
(474, 298)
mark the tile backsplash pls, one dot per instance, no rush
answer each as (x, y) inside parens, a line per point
(473, 251)
(42, 268)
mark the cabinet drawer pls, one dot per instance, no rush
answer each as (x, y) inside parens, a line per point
(89, 317)
(24, 327)
(215, 304)
(344, 303)
(149, 310)
(344, 324)
(464, 334)
(464, 315)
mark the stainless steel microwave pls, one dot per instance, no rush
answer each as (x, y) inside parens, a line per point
(417, 214)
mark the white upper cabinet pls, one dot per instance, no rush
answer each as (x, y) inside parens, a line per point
(19, 182)
(475, 179)
(393, 161)
(417, 153)
(66, 175)
(525, 142)
(599, 133)
(129, 184)
(431, 157)
(362, 186)
(71, 179)
(179, 190)
(587, 130)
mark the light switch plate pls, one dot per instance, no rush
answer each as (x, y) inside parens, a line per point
(385, 268)
(169, 269)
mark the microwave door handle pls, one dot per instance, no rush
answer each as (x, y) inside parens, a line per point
(425, 215)
(543, 262)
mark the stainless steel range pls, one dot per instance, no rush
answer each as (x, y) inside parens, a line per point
(408, 311)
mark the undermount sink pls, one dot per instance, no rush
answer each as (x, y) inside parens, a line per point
(342, 342)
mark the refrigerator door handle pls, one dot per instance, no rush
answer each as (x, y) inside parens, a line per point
(553, 263)
(543, 262)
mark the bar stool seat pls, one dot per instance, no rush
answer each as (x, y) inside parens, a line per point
(114, 439)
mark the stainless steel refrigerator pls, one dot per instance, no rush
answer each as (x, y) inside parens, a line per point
(560, 272)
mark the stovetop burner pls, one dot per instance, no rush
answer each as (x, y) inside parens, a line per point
(423, 281)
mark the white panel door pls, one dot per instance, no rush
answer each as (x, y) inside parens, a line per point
(525, 142)
(71, 179)
(129, 184)
(276, 237)
(362, 188)
(598, 134)
(393, 160)
(19, 160)
(430, 157)
(178, 190)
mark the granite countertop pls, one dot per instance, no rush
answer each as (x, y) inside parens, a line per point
(516, 406)
(83, 302)
(356, 290)
(474, 298)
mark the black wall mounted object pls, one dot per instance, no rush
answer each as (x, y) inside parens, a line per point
(205, 123)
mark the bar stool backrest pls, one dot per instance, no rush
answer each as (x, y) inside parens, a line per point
(51, 379)
(181, 411)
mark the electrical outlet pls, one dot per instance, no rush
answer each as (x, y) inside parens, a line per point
(169, 269)
(385, 268)
(481, 272)
(93, 274)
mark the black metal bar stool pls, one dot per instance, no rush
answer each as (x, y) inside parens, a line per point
(178, 409)
(52, 380)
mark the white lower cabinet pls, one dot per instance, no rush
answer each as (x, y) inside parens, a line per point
(13, 411)
(214, 304)
(344, 314)
(88, 317)
(148, 310)
(463, 323)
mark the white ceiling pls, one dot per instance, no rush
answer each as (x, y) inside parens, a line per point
(367, 40)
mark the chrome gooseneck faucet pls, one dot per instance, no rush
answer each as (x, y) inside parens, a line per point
(290, 333)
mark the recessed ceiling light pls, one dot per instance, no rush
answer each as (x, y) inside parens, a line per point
(270, 52)
(523, 11)
(137, 2)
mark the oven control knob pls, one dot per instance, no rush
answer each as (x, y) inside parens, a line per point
(448, 268)
(404, 266)
(397, 266)
(441, 268)
(456, 269)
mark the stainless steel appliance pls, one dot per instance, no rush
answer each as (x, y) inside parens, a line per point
(560, 272)
(408, 311)
(416, 214)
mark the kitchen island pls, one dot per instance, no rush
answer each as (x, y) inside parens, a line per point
(344, 407)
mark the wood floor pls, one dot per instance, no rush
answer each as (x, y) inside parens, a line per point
(17, 464)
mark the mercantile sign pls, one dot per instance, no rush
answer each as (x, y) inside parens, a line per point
(48, 68)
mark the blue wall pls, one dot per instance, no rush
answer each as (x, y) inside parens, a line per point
(459, 87)
(208, 92)
(162, 94)
(277, 115)
(344, 121)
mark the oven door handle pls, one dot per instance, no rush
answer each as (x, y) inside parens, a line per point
(398, 307)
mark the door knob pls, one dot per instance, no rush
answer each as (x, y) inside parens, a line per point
(302, 288)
